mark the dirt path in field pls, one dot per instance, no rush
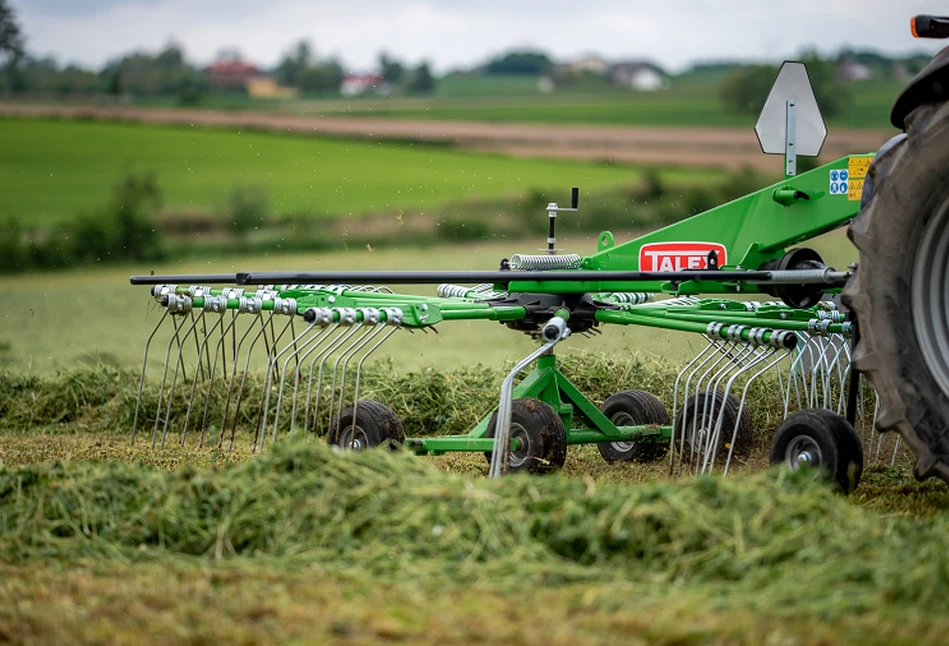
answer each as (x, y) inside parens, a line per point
(728, 147)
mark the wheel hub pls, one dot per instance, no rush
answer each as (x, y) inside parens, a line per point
(803, 451)
(520, 455)
(354, 438)
(623, 418)
(930, 302)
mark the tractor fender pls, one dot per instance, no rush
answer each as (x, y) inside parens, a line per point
(931, 84)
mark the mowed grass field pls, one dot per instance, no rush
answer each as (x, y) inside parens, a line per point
(51, 170)
(52, 320)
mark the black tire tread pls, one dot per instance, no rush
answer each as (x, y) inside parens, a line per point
(906, 180)
(645, 408)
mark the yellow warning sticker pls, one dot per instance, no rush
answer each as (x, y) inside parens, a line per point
(857, 167)
(855, 190)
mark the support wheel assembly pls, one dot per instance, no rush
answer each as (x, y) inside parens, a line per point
(365, 425)
(541, 433)
(821, 440)
(900, 292)
(633, 408)
(698, 418)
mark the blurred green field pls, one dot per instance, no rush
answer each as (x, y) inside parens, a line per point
(51, 320)
(690, 106)
(51, 170)
(692, 101)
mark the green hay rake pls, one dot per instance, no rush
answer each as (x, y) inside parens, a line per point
(312, 333)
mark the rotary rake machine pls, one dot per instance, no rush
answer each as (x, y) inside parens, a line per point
(736, 275)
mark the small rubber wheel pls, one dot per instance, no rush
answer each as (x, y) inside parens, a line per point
(707, 406)
(633, 408)
(821, 440)
(541, 433)
(366, 425)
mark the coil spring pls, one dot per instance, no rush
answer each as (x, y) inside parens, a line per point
(545, 261)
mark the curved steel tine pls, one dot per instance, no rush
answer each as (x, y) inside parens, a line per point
(194, 382)
(357, 326)
(175, 337)
(719, 353)
(323, 357)
(896, 448)
(141, 379)
(268, 381)
(366, 338)
(359, 371)
(709, 414)
(728, 354)
(217, 351)
(261, 333)
(257, 319)
(322, 335)
(760, 354)
(309, 387)
(741, 407)
(174, 377)
(297, 349)
(271, 361)
(675, 398)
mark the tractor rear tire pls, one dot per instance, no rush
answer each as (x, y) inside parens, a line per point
(633, 408)
(900, 292)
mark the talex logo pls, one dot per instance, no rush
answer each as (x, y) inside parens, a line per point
(679, 256)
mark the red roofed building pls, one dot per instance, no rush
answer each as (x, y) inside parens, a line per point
(231, 74)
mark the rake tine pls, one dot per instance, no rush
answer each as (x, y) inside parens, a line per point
(272, 354)
(174, 377)
(210, 373)
(325, 354)
(217, 350)
(394, 319)
(371, 317)
(309, 387)
(177, 322)
(294, 355)
(271, 369)
(675, 397)
(230, 386)
(324, 334)
(240, 390)
(332, 393)
(141, 379)
(741, 407)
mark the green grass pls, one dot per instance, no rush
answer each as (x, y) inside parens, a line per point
(52, 320)
(50, 170)
(692, 103)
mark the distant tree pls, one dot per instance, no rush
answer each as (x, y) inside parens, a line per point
(528, 63)
(11, 42)
(422, 81)
(294, 63)
(746, 89)
(391, 69)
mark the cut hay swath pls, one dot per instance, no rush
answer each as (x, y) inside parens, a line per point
(312, 334)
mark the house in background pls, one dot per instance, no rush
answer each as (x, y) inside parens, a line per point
(588, 64)
(265, 87)
(854, 71)
(230, 72)
(639, 75)
(356, 84)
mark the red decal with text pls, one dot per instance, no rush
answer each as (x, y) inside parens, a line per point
(679, 256)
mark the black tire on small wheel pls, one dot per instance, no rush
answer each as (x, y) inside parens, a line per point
(633, 408)
(822, 440)
(541, 433)
(366, 425)
(708, 404)
(899, 292)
